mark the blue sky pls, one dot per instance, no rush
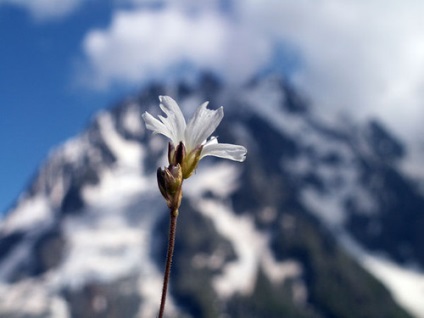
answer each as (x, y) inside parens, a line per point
(63, 60)
(41, 103)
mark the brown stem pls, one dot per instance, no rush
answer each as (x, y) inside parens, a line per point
(170, 252)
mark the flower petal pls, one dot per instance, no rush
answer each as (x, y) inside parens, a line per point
(174, 120)
(202, 125)
(226, 151)
(156, 126)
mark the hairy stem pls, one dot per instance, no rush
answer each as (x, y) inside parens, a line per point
(170, 252)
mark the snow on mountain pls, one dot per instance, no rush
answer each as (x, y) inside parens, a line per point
(339, 175)
(405, 283)
(251, 247)
(264, 238)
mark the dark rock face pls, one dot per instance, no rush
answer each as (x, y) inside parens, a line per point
(117, 299)
(48, 251)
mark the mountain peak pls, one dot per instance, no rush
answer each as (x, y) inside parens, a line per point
(263, 239)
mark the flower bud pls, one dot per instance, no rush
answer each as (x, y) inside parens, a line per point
(170, 184)
(173, 178)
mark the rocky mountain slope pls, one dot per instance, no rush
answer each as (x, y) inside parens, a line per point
(319, 221)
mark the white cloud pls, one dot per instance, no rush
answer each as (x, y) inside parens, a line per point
(363, 57)
(145, 44)
(45, 9)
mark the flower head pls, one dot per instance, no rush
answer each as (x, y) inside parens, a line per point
(189, 142)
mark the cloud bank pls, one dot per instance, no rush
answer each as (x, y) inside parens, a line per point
(141, 45)
(363, 56)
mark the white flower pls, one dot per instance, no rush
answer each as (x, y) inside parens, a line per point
(194, 135)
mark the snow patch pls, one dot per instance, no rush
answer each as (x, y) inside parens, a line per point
(405, 284)
(326, 207)
(117, 185)
(251, 248)
(126, 179)
(272, 99)
(106, 244)
(102, 250)
(129, 153)
(221, 179)
(31, 298)
(132, 120)
(73, 150)
(28, 214)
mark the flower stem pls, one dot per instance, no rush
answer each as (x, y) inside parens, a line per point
(170, 252)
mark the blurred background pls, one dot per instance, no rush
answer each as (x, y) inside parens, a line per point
(325, 217)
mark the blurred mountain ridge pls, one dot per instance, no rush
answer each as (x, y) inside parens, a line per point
(319, 221)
